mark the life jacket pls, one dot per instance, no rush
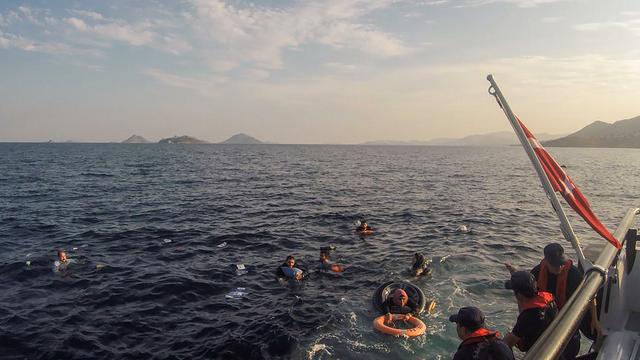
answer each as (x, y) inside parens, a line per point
(542, 300)
(561, 281)
(479, 335)
(487, 345)
(546, 303)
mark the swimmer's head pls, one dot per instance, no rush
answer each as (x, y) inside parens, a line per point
(400, 297)
(291, 261)
(324, 256)
(62, 255)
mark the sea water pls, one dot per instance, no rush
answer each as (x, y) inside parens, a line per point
(131, 294)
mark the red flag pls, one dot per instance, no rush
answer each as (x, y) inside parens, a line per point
(562, 183)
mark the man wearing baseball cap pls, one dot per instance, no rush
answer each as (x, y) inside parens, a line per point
(478, 343)
(557, 274)
(537, 310)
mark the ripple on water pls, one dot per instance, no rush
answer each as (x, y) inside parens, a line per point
(132, 294)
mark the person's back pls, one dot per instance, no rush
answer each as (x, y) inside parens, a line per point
(531, 323)
(537, 310)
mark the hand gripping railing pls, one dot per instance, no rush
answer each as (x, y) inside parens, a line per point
(552, 342)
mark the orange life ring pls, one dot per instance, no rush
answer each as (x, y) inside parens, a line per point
(419, 328)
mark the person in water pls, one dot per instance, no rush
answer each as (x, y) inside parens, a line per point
(62, 261)
(327, 264)
(557, 275)
(398, 303)
(288, 269)
(421, 266)
(364, 227)
(537, 310)
(478, 342)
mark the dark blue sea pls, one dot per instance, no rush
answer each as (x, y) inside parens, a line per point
(155, 232)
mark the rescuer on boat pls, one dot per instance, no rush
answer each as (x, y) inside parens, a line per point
(478, 343)
(557, 275)
(537, 310)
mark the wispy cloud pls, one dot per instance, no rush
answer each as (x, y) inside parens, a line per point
(206, 87)
(518, 3)
(259, 36)
(247, 39)
(632, 25)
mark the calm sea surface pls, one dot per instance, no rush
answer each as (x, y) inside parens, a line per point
(155, 231)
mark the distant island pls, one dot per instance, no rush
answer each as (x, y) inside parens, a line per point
(500, 138)
(182, 140)
(136, 139)
(620, 134)
(242, 139)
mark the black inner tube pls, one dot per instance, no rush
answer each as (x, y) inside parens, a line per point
(385, 290)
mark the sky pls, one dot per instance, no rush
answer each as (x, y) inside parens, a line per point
(335, 71)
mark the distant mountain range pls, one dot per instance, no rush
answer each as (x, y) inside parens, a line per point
(242, 139)
(620, 134)
(136, 139)
(182, 140)
(235, 139)
(501, 138)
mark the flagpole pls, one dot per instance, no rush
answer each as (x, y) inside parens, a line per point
(566, 228)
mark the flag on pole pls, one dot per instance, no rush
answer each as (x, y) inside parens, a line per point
(562, 183)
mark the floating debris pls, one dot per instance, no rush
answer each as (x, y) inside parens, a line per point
(237, 293)
(223, 244)
(463, 229)
(100, 266)
(241, 269)
(28, 263)
(166, 241)
(75, 248)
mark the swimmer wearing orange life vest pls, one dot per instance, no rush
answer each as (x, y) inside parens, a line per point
(327, 264)
(364, 228)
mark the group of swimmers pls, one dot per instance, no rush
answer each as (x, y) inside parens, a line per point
(289, 269)
(539, 293)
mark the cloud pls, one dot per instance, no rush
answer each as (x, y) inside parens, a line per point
(518, 3)
(259, 36)
(632, 25)
(87, 14)
(8, 41)
(205, 87)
